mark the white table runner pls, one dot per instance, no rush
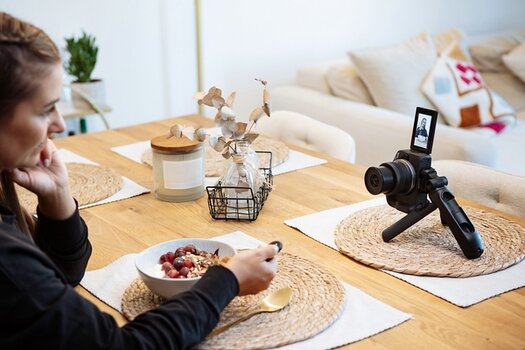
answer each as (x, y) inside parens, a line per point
(295, 161)
(460, 291)
(362, 317)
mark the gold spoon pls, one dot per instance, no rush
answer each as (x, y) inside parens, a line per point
(273, 302)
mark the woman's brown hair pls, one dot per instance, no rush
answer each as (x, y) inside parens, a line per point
(26, 56)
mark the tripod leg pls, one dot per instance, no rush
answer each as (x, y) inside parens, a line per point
(407, 221)
(443, 219)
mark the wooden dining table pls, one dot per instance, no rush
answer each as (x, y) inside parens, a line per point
(131, 225)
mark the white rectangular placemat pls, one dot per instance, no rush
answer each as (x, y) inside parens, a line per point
(129, 188)
(362, 317)
(295, 161)
(460, 291)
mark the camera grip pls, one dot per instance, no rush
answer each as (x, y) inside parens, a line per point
(462, 228)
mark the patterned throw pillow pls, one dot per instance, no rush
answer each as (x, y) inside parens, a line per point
(458, 91)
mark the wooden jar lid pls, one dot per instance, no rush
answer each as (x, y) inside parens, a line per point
(174, 144)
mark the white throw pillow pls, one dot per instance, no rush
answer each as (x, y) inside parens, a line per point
(345, 83)
(393, 75)
(515, 61)
(487, 54)
(462, 98)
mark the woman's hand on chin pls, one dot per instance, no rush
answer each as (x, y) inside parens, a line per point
(49, 181)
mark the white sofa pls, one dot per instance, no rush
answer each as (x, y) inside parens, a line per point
(379, 133)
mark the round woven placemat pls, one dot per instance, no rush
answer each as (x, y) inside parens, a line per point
(214, 162)
(88, 184)
(317, 301)
(428, 248)
(279, 150)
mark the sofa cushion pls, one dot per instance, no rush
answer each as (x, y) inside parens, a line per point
(393, 75)
(314, 76)
(515, 61)
(346, 83)
(443, 40)
(487, 54)
(462, 98)
(508, 86)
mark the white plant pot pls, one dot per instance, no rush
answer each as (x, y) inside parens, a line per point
(93, 91)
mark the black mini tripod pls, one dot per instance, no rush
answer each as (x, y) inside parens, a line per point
(451, 214)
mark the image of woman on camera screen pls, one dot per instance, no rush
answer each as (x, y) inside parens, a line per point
(421, 135)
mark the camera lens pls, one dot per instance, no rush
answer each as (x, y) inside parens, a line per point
(394, 177)
(379, 180)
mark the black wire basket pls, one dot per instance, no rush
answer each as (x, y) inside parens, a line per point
(242, 208)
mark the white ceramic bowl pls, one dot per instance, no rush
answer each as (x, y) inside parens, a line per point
(147, 260)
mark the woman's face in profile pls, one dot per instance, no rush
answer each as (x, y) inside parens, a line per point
(423, 123)
(24, 134)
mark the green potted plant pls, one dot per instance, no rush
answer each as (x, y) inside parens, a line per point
(81, 62)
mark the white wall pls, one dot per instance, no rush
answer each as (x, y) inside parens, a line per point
(147, 47)
(146, 56)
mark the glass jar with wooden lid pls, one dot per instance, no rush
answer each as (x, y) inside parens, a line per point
(178, 168)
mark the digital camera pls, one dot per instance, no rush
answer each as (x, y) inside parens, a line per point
(409, 180)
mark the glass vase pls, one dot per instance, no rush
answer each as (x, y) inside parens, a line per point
(242, 181)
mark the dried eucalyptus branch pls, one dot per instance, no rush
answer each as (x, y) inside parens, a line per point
(231, 130)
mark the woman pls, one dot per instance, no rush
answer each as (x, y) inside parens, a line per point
(422, 131)
(40, 264)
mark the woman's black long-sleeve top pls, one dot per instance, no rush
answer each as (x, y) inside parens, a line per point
(40, 308)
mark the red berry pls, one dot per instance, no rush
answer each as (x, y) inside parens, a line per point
(188, 263)
(179, 252)
(184, 271)
(170, 256)
(166, 266)
(178, 263)
(162, 259)
(172, 273)
(190, 248)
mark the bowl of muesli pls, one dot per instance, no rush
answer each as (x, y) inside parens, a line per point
(174, 266)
